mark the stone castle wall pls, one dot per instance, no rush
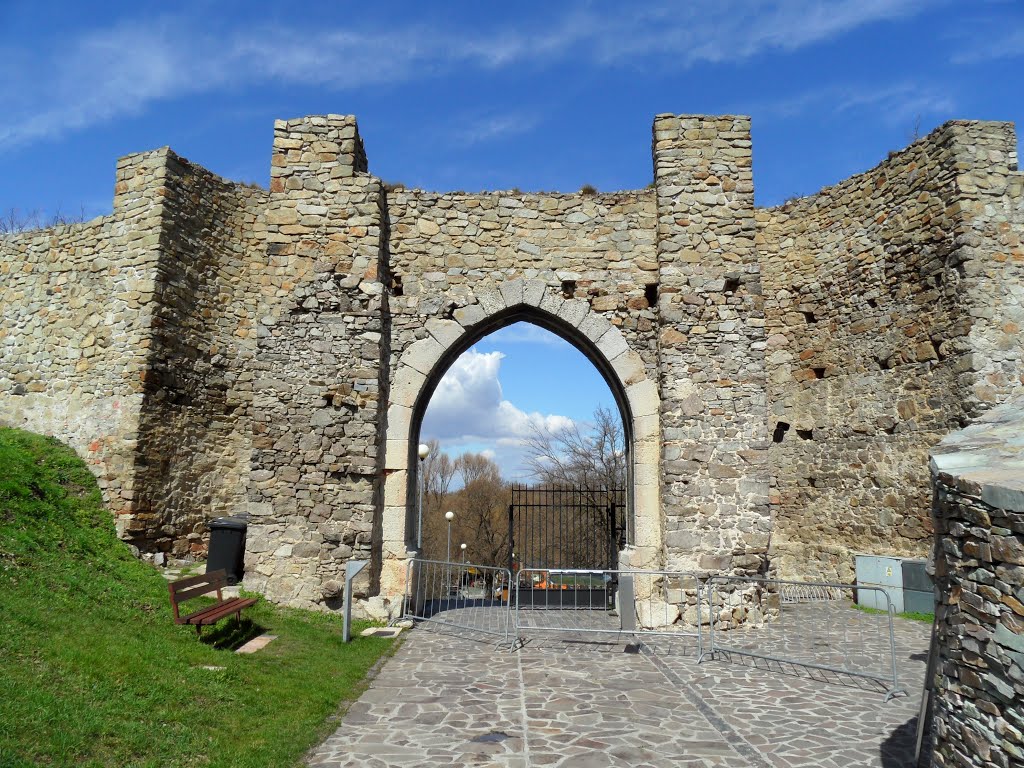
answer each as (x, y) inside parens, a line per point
(214, 347)
(78, 303)
(711, 340)
(194, 439)
(881, 296)
(979, 571)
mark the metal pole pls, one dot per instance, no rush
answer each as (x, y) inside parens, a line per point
(419, 523)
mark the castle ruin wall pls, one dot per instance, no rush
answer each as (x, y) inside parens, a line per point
(783, 372)
(880, 294)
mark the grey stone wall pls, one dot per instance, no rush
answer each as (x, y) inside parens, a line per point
(882, 296)
(78, 303)
(978, 476)
(210, 346)
(194, 434)
(318, 387)
(711, 347)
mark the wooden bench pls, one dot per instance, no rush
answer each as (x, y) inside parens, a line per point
(195, 586)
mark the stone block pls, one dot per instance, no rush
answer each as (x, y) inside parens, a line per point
(573, 311)
(643, 399)
(446, 332)
(512, 292)
(612, 344)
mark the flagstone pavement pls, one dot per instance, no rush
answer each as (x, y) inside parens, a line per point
(449, 699)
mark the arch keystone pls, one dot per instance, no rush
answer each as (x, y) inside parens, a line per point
(533, 292)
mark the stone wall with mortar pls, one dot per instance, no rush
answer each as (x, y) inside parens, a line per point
(210, 343)
(194, 438)
(978, 476)
(883, 295)
(714, 472)
(78, 303)
(128, 338)
(319, 375)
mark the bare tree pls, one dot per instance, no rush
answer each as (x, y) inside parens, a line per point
(14, 220)
(480, 507)
(438, 472)
(483, 523)
(593, 459)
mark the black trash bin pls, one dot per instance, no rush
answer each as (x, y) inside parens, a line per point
(227, 547)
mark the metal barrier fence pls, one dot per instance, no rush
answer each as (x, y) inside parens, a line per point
(617, 602)
(833, 638)
(465, 596)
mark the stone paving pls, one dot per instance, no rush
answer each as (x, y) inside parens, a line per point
(575, 701)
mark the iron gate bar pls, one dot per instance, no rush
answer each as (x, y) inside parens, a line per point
(566, 526)
(890, 677)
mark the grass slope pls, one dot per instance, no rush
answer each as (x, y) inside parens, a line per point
(93, 670)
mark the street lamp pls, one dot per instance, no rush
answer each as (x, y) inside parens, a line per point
(449, 516)
(463, 579)
(423, 451)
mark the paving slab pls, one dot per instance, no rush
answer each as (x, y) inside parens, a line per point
(575, 700)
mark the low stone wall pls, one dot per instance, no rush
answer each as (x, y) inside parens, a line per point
(978, 475)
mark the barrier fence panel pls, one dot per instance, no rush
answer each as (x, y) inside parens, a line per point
(463, 596)
(607, 601)
(808, 624)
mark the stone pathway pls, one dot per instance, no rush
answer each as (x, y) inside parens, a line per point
(581, 701)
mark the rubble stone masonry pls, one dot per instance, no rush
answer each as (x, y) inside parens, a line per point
(782, 373)
(979, 571)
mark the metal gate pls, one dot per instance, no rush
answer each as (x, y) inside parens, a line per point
(565, 528)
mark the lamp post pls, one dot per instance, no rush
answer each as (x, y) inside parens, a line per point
(423, 451)
(449, 516)
(463, 579)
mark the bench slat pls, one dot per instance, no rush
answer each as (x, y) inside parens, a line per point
(194, 586)
(214, 613)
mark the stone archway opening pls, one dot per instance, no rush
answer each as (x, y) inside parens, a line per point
(423, 363)
(528, 448)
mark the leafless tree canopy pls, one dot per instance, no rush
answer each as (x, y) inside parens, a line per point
(593, 459)
(14, 220)
(480, 507)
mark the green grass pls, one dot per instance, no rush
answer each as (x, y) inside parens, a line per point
(93, 671)
(911, 615)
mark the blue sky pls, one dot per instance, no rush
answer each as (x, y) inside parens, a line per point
(472, 95)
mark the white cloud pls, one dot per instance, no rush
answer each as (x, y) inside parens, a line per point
(896, 103)
(107, 73)
(468, 408)
(483, 129)
(990, 45)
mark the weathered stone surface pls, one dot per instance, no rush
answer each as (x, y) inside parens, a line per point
(211, 346)
(977, 570)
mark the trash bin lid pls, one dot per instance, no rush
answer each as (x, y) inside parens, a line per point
(231, 523)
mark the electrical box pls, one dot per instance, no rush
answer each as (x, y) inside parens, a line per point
(905, 580)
